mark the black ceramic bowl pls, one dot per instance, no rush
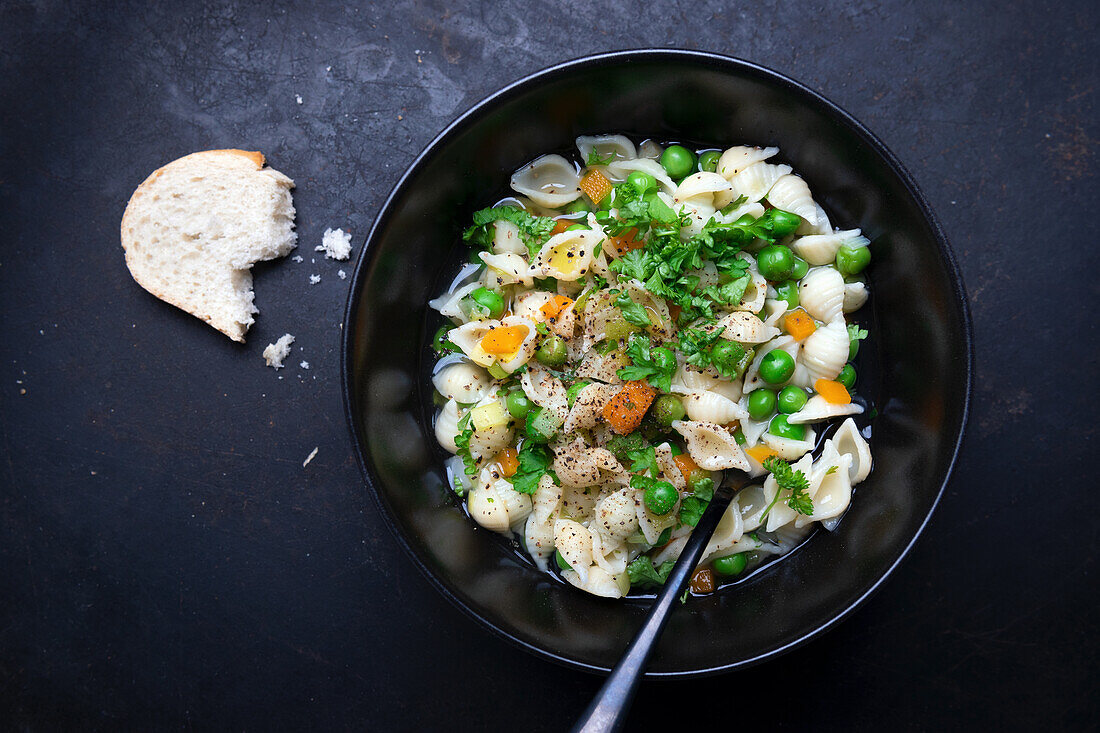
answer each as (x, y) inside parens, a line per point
(919, 314)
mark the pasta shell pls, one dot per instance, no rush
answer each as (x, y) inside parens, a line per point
(825, 351)
(546, 391)
(599, 582)
(468, 338)
(821, 227)
(790, 193)
(711, 446)
(615, 515)
(746, 328)
(753, 209)
(755, 181)
(831, 487)
(574, 543)
(752, 503)
(855, 295)
(621, 169)
(704, 188)
(650, 149)
(736, 159)
(781, 513)
(507, 269)
(538, 538)
(566, 256)
(506, 239)
(549, 181)
(817, 408)
(618, 146)
(446, 426)
(821, 249)
(587, 410)
(449, 304)
(712, 408)
(821, 293)
(848, 441)
(728, 533)
(462, 382)
(669, 470)
(787, 448)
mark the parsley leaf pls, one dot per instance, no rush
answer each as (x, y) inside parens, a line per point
(789, 479)
(692, 507)
(644, 575)
(594, 157)
(534, 461)
(651, 364)
(632, 312)
(533, 230)
(462, 440)
(644, 460)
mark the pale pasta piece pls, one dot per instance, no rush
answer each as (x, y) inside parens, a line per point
(550, 181)
(450, 304)
(546, 499)
(603, 367)
(825, 351)
(848, 441)
(538, 538)
(566, 256)
(507, 268)
(621, 169)
(831, 486)
(773, 310)
(712, 407)
(469, 336)
(487, 508)
(855, 295)
(616, 518)
(574, 542)
(736, 159)
(660, 322)
(488, 440)
(711, 446)
(446, 426)
(790, 449)
(821, 294)
(577, 503)
(755, 181)
(697, 215)
(599, 582)
(610, 555)
(817, 408)
(781, 513)
(587, 409)
(546, 391)
(752, 502)
(576, 464)
(619, 147)
(821, 227)
(529, 304)
(669, 471)
(753, 209)
(745, 328)
(650, 524)
(790, 193)
(821, 249)
(730, 529)
(704, 188)
(506, 238)
(688, 379)
(462, 382)
(650, 149)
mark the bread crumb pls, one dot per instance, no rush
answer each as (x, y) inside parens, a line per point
(297, 258)
(304, 365)
(314, 279)
(276, 352)
(298, 98)
(336, 244)
(342, 274)
(309, 458)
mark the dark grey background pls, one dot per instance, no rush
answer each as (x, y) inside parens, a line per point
(165, 559)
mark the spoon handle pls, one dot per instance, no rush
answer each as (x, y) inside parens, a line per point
(608, 710)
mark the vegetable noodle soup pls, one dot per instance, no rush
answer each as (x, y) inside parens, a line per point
(639, 324)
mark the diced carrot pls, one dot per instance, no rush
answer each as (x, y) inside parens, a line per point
(595, 185)
(702, 581)
(833, 392)
(626, 242)
(800, 324)
(561, 225)
(624, 411)
(553, 307)
(674, 311)
(508, 462)
(760, 453)
(686, 465)
(504, 340)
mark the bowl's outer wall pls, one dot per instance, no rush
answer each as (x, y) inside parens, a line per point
(922, 341)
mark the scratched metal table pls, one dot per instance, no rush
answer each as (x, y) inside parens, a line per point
(168, 561)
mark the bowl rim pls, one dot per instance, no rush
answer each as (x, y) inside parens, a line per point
(712, 60)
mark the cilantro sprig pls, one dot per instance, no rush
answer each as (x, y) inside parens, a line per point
(788, 479)
(632, 312)
(534, 461)
(533, 230)
(692, 507)
(644, 575)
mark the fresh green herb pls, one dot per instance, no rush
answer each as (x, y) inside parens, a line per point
(533, 230)
(694, 343)
(855, 333)
(684, 598)
(644, 575)
(594, 158)
(534, 461)
(650, 364)
(832, 470)
(548, 284)
(692, 507)
(644, 460)
(789, 479)
(597, 249)
(632, 312)
(462, 441)
(542, 328)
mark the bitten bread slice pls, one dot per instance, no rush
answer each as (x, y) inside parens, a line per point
(195, 227)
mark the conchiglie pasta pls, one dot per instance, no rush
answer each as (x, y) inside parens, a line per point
(821, 293)
(757, 180)
(549, 181)
(790, 193)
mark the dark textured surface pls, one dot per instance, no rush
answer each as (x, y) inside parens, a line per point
(166, 559)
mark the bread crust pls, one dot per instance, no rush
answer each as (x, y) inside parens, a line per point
(254, 156)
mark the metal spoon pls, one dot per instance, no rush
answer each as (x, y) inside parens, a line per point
(608, 710)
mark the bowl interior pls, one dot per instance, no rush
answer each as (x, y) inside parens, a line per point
(920, 380)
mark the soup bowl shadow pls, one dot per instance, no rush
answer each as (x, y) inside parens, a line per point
(920, 351)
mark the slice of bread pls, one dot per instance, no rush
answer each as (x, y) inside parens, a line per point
(195, 227)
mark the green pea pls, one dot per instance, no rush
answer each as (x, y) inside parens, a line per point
(642, 181)
(791, 399)
(576, 227)
(708, 161)
(572, 392)
(697, 477)
(577, 206)
(678, 161)
(666, 409)
(776, 367)
(518, 405)
(730, 564)
(496, 371)
(788, 291)
(761, 403)
(660, 497)
(783, 429)
(847, 376)
(562, 564)
(441, 343)
(490, 301)
(852, 260)
(784, 222)
(663, 359)
(727, 354)
(552, 352)
(775, 262)
(801, 267)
